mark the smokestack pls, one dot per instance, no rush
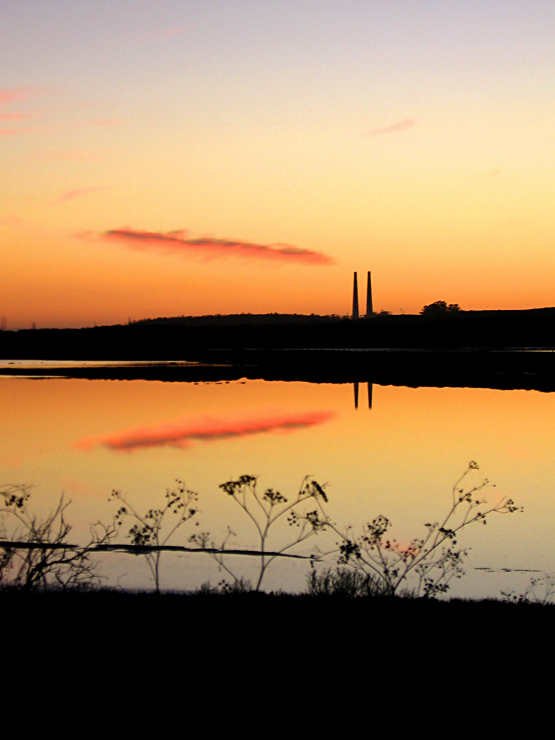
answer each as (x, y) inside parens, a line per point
(369, 305)
(355, 297)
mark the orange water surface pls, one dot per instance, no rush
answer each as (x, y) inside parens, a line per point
(399, 458)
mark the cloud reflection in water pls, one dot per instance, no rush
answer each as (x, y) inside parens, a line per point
(204, 429)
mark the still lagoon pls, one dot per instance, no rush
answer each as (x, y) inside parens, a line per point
(397, 452)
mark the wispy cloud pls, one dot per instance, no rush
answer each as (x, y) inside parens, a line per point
(491, 173)
(14, 116)
(10, 96)
(204, 429)
(70, 194)
(104, 122)
(12, 221)
(85, 234)
(176, 242)
(13, 131)
(400, 126)
(19, 94)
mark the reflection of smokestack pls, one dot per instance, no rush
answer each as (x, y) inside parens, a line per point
(355, 297)
(369, 306)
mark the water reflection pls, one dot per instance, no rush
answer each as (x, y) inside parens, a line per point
(401, 460)
(183, 432)
(369, 386)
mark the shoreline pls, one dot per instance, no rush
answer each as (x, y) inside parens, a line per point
(499, 370)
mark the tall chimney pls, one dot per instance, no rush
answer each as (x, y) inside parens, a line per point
(369, 305)
(355, 297)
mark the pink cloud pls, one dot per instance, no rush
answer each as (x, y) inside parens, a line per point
(17, 94)
(13, 131)
(400, 126)
(204, 429)
(175, 242)
(14, 116)
(14, 95)
(77, 193)
(84, 234)
(12, 221)
(11, 96)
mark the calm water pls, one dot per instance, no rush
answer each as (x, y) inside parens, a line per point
(398, 458)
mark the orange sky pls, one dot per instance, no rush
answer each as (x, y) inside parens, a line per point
(220, 157)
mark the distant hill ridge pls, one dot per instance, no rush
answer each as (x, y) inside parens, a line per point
(239, 319)
(257, 319)
(188, 337)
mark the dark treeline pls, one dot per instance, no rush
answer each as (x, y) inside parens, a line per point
(240, 319)
(163, 341)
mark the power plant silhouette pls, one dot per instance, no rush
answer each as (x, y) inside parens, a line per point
(356, 315)
(369, 304)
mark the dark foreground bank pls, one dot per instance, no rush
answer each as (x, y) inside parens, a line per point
(219, 620)
(264, 660)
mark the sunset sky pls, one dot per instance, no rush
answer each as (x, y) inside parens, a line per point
(226, 156)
